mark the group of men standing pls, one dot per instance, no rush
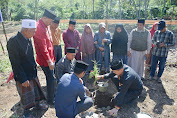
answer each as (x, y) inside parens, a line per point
(140, 44)
(47, 41)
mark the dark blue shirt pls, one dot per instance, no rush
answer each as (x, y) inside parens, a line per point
(130, 81)
(68, 90)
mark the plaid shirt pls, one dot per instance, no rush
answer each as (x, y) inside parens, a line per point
(167, 38)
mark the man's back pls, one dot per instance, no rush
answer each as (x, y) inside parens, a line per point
(130, 76)
(69, 88)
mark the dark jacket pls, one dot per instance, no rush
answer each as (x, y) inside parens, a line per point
(21, 56)
(131, 82)
(68, 90)
(119, 41)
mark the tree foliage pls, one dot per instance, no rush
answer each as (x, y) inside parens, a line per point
(90, 9)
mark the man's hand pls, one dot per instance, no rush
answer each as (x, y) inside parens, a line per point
(161, 45)
(104, 40)
(50, 64)
(96, 42)
(51, 67)
(101, 49)
(113, 112)
(129, 54)
(25, 84)
(87, 91)
(100, 76)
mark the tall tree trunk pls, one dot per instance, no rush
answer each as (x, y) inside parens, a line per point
(120, 12)
(93, 10)
(145, 4)
(110, 6)
(106, 9)
(148, 4)
(7, 10)
(139, 15)
(84, 9)
(135, 8)
(163, 9)
(35, 9)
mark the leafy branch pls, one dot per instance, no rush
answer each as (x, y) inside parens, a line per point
(95, 72)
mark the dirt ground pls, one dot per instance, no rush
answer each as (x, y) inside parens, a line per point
(158, 99)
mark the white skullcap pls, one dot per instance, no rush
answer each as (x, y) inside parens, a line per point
(28, 23)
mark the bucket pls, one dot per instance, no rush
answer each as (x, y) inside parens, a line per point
(102, 86)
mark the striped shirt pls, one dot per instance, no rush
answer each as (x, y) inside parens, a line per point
(167, 38)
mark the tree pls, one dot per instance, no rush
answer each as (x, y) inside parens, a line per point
(135, 8)
(163, 9)
(5, 9)
(86, 9)
(120, 12)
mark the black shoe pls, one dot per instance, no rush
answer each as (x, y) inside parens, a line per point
(159, 80)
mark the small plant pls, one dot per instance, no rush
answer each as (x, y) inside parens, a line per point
(95, 72)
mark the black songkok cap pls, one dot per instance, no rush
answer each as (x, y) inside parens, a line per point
(117, 64)
(71, 50)
(161, 25)
(141, 21)
(49, 14)
(81, 65)
(57, 20)
(73, 22)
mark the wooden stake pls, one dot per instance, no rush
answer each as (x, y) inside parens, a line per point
(4, 31)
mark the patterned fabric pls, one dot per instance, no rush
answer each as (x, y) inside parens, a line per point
(139, 40)
(29, 95)
(56, 35)
(149, 41)
(64, 66)
(167, 38)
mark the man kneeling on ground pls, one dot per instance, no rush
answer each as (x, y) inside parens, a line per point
(71, 87)
(128, 83)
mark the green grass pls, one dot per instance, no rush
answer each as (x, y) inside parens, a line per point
(5, 65)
